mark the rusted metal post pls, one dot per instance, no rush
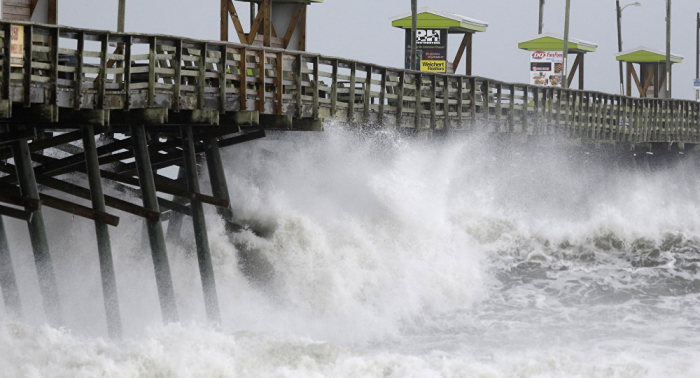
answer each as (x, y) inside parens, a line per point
(206, 270)
(37, 235)
(104, 245)
(164, 280)
(8, 282)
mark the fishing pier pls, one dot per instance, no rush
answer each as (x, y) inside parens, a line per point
(139, 103)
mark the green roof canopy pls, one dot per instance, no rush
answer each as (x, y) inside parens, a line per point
(432, 19)
(646, 55)
(552, 42)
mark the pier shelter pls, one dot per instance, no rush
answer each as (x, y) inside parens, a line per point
(546, 46)
(433, 28)
(651, 77)
(277, 23)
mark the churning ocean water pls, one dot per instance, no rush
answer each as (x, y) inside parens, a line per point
(388, 256)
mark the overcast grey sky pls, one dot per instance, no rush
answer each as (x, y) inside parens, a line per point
(360, 29)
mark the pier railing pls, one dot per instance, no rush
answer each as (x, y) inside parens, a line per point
(99, 70)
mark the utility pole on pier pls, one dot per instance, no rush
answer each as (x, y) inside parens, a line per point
(565, 80)
(120, 21)
(414, 26)
(697, 58)
(668, 49)
(541, 17)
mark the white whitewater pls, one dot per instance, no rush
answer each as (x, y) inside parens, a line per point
(393, 257)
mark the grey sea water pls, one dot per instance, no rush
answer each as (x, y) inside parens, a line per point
(395, 257)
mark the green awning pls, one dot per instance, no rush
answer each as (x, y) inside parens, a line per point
(646, 55)
(432, 19)
(552, 42)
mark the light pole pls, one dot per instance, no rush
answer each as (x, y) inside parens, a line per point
(541, 17)
(619, 38)
(565, 80)
(668, 49)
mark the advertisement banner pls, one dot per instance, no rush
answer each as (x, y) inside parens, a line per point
(546, 68)
(17, 46)
(431, 49)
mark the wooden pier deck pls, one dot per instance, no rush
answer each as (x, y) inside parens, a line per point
(169, 99)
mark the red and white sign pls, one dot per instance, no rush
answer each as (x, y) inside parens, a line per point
(546, 68)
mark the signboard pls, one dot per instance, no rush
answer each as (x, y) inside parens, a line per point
(431, 49)
(17, 46)
(546, 68)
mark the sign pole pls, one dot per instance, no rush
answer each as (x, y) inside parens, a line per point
(414, 26)
(668, 48)
(697, 61)
(619, 46)
(541, 17)
(565, 67)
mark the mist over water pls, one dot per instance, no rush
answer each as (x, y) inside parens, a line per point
(393, 256)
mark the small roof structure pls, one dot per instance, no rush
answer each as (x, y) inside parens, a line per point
(646, 55)
(428, 18)
(554, 42)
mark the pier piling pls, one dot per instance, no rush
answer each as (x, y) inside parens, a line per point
(37, 235)
(104, 246)
(164, 281)
(8, 282)
(206, 270)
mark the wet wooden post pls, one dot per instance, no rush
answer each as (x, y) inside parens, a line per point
(176, 218)
(37, 235)
(217, 177)
(164, 281)
(206, 270)
(8, 282)
(104, 246)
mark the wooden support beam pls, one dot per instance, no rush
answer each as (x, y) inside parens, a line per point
(224, 11)
(53, 12)
(256, 26)
(630, 68)
(577, 63)
(15, 135)
(267, 27)
(460, 52)
(636, 80)
(647, 82)
(302, 30)
(7, 196)
(293, 23)
(470, 56)
(11, 212)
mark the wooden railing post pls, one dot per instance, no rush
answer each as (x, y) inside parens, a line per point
(315, 88)
(334, 88)
(279, 83)
(368, 92)
(351, 96)
(382, 98)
